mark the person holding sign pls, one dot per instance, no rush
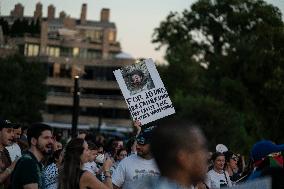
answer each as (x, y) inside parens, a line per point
(181, 155)
(138, 165)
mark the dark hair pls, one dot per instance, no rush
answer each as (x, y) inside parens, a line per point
(228, 155)
(215, 155)
(129, 144)
(137, 72)
(173, 136)
(57, 153)
(118, 152)
(35, 131)
(91, 145)
(54, 157)
(17, 126)
(70, 174)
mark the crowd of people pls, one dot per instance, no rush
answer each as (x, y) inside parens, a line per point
(173, 155)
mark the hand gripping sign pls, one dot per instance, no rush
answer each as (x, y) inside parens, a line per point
(144, 91)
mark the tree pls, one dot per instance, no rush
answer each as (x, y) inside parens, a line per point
(22, 89)
(230, 53)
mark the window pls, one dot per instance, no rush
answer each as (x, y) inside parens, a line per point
(94, 35)
(31, 50)
(111, 36)
(53, 51)
(75, 52)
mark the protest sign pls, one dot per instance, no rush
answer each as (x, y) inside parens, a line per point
(144, 91)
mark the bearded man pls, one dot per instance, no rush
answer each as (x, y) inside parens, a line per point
(28, 170)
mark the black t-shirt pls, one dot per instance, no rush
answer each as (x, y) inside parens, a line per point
(27, 171)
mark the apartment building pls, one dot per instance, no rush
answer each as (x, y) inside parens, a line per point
(70, 47)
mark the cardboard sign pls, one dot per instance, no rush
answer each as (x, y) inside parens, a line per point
(144, 91)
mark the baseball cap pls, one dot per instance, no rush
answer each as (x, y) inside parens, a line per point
(263, 148)
(145, 135)
(4, 123)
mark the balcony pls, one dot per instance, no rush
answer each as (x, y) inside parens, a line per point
(86, 61)
(66, 82)
(65, 99)
(65, 118)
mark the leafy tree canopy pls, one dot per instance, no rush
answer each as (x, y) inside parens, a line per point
(22, 89)
(226, 69)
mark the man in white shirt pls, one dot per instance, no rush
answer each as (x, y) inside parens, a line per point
(181, 155)
(136, 166)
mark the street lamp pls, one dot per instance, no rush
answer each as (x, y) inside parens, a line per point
(76, 99)
(100, 116)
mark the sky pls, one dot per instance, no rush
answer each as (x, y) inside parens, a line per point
(135, 19)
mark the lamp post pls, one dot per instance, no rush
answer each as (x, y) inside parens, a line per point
(76, 99)
(100, 116)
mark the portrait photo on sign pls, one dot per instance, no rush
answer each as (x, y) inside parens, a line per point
(137, 78)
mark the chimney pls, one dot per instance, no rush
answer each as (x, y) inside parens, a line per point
(50, 12)
(38, 11)
(18, 11)
(105, 15)
(69, 23)
(83, 13)
(62, 15)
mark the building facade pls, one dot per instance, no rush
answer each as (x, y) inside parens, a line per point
(69, 47)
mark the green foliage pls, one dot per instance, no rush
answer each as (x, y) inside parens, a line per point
(22, 89)
(226, 66)
(20, 27)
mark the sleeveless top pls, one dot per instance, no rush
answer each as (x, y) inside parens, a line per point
(80, 175)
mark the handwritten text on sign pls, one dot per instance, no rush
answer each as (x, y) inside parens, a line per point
(149, 103)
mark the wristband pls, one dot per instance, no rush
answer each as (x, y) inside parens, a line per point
(107, 171)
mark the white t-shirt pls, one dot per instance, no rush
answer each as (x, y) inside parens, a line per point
(132, 168)
(218, 180)
(14, 151)
(91, 167)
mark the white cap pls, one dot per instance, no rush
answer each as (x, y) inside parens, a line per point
(221, 148)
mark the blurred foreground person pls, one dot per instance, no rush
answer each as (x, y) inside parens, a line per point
(72, 176)
(28, 170)
(181, 155)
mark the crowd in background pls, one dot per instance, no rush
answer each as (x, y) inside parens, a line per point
(172, 155)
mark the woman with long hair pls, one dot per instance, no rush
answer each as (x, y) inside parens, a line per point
(73, 177)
